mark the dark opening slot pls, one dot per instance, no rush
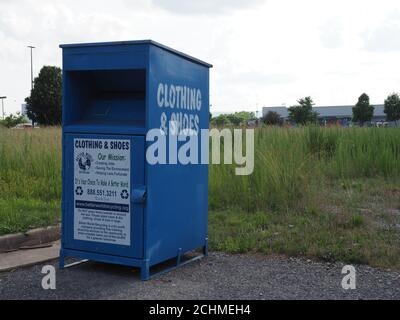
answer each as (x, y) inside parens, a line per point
(108, 97)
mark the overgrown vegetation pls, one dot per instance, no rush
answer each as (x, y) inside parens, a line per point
(355, 221)
(329, 193)
(30, 178)
(288, 161)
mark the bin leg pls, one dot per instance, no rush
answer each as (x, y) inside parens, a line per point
(205, 248)
(61, 260)
(179, 257)
(145, 271)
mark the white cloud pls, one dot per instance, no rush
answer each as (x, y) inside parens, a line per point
(209, 7)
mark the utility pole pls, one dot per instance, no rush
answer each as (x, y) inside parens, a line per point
(2, 107)
(32, 47)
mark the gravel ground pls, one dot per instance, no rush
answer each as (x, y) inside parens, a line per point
(220, 276)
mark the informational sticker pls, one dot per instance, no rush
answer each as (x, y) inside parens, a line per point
(102, 190)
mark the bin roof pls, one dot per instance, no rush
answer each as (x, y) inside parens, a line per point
(137, 42)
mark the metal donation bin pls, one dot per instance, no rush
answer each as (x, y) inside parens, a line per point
(118, 207)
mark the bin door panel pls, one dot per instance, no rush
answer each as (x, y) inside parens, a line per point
(103, 176)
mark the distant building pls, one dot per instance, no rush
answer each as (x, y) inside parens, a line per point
(23, 109)
(327, 115)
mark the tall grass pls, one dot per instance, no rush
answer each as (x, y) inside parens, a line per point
(288, 161)
(30, 177)
(288, 164)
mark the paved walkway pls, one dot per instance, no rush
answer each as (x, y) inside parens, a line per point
(21, 258)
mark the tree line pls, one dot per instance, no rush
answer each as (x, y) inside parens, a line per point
(363, 111)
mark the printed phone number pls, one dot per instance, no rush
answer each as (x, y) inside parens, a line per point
(102, 193)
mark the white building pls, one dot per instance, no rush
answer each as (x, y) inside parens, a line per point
(326, 114)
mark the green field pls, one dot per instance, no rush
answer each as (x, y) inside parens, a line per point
(30, 178)
(327, 193)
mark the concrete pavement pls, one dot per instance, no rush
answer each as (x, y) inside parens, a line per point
(23, 258)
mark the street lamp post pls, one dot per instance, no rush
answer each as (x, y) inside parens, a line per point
(2, 106)
(31, 47)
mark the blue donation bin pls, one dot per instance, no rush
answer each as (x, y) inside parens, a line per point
(117, 207)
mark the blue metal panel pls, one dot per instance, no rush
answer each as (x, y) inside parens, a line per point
(136, 43)
(136, 220)
(105, 57)
(180, 206)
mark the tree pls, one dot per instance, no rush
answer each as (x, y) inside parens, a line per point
(245, 116)
(233, 119)
(363, 111)
(12, 120)
(392, 107)
(44, 104)
(240, 118)
(220, 120)
(272, 118)
(303, 113)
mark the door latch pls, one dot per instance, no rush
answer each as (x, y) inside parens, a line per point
(139, 194)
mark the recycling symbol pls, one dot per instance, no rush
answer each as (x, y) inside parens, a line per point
(124, 194)
(78, 191)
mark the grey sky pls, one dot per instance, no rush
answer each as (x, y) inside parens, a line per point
(264, 52)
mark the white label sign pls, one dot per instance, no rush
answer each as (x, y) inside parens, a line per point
(102, 208)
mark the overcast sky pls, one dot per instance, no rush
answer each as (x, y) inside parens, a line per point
(265, 53)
